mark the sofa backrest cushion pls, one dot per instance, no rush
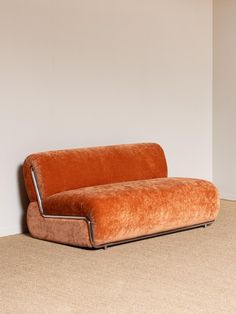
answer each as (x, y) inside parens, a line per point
(64, 170)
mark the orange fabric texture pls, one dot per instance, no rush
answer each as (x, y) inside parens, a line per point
(65, 170)
(72, 232)
(126, 210)
(122, 189)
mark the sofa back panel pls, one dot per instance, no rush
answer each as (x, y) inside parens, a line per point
(63, 170)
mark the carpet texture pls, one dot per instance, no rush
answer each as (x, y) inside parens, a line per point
(187, 272)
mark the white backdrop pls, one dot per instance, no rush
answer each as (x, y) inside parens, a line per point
(225, 98)
(85, 73)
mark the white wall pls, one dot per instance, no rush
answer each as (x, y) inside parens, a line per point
(83, 73)
(225, 97)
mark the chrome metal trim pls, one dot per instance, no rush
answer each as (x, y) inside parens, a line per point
(41, 209)
(39, 199)
(158, 234)
(90, 225)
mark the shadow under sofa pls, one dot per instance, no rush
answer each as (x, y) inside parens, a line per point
(100, 196)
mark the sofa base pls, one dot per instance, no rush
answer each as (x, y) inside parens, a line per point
(157, 234)
(79, 232)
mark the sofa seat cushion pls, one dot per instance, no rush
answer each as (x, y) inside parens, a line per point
(126, 210)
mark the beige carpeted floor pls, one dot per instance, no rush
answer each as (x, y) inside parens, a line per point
(188, 272)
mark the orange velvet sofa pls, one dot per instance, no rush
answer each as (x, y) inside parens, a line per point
(101, 196)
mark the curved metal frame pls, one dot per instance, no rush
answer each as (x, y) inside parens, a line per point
(39, 199)
(90, 225)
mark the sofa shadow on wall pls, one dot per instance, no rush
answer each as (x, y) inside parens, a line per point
(23, 198)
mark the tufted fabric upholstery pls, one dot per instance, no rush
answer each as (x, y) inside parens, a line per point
(65, 170)
(123, 190)
(130, 209)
